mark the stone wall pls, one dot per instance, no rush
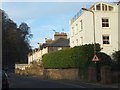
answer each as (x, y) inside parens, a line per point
(92, 74)
(116, 77)
(22, 66)
(69, 74)
(106, 75)
(34, 70)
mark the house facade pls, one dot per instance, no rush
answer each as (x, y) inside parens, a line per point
(103, 21)
(35, 55)
(60, 42)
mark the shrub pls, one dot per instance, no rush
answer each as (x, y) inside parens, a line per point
(116, 56)
(116, 61)
(77, 57)
(104, 59)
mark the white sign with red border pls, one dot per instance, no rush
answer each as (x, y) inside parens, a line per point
(95, 58)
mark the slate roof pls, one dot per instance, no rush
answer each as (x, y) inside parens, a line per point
(61, 42)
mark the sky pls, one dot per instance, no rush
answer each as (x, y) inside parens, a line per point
(43, 17)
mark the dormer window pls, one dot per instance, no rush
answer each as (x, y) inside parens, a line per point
(104, 7)
(98, 7)
(110, 8)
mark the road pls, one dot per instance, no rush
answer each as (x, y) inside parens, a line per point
(17, 81)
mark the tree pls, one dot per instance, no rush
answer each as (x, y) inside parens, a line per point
(116, 56)
(25, 32)
(15, 41)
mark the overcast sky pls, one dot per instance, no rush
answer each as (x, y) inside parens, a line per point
(44, 17)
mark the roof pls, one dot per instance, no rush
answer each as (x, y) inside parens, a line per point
(92, 6)
(110, 4)
(61, 42)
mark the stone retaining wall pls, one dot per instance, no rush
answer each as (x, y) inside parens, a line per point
(106, 75)
(22, 66)
(70, 74)
(92, 74)
(33, 70)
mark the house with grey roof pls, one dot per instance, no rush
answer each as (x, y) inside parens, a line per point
(60, 42)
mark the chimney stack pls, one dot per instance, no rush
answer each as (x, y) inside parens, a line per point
(58, 35)
(49, 41)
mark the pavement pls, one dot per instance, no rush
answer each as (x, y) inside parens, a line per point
(88, 84)
(93, 85)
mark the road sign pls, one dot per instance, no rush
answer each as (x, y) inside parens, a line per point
(95, 58)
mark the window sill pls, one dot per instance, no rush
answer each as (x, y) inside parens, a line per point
(106, 27)
(107, 45)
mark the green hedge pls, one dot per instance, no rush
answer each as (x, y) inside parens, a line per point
(116, 61)
(77, 57)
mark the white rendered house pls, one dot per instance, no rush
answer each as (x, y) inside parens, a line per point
(106, 23)
(60, 42)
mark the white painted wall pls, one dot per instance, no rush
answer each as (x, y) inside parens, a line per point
(88, 34)
(44, 50)
(30, 59)
(119, 26)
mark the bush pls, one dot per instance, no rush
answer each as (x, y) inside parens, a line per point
(116, 61)
(77, 57)
(104, 59)
(116, 56)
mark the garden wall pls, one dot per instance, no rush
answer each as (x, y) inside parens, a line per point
(57, 74)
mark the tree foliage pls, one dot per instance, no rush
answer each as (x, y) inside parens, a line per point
(116, 56)
(116, 61)
(15, 41)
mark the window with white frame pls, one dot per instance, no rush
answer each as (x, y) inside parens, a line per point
(72, 31)
(106, 39)
(105, 22)
(77, 42)
(76, 29)
(72, 42)
(110, 8)
(81, 40)
(104, 7)
(98, 7)
(81, 25)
